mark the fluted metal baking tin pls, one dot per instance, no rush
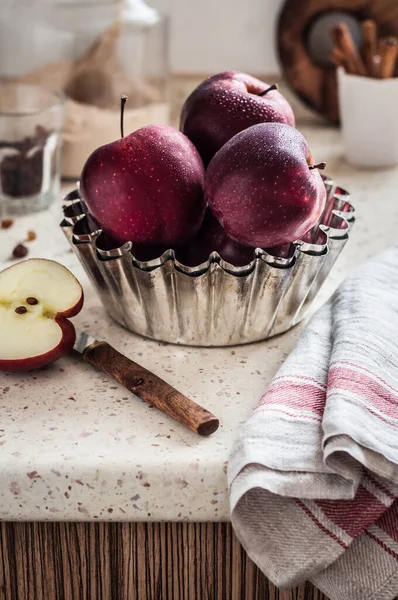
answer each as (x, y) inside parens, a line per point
(214, 304)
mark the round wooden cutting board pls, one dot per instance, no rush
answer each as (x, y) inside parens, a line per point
(304, 44)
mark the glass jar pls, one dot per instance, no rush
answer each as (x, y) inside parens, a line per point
(31, 120)
(95, 51)
(56, 30)
(143, 48)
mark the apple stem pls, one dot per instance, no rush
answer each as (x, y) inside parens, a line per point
(272, 87)
(320, 166)
(123, 100)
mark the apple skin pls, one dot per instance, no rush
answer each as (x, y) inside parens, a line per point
(37, 362)
(260, 188)
(227, 103)
(71, 312)
(212, 238)
(147, 188)
(147, 253)
(285, 251)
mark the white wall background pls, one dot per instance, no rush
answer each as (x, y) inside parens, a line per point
(215, 35)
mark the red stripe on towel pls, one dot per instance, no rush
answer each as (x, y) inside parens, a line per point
(353, 516)
(280, 409)
(382, 544)
(322, 527)
(385, 400)
(374, 375)
(380, 486)
(389, 522)
(304, 377)
(304, 396)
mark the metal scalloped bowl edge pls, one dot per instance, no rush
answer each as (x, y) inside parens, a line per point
(215, 303)
(342, 224)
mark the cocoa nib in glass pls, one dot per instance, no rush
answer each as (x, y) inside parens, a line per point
(21, 166)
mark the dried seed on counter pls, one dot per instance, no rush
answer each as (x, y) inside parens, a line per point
(6, 223)
(20, 251)
(31, 235)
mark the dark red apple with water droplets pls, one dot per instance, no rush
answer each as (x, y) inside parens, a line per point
(146, 187)
(227, 103)
(147, 253)
(263, 186)
(212, 238)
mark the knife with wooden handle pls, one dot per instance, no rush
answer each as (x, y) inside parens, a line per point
(145, 384)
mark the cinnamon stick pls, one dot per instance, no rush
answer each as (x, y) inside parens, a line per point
(149, 387)
(369, 46)
(388, 57)
(342, 39)
(339, 59)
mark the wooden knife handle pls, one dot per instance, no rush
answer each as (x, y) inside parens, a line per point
(151, 388)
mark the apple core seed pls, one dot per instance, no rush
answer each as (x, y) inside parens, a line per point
(20, 310)
(32, 301)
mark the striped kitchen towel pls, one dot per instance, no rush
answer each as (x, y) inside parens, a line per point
(313, 474)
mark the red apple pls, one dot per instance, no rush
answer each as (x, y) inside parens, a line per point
(36, 297)
(147, 253)
(226, 104)
(146, 187)
(212, 238)
(263, 186)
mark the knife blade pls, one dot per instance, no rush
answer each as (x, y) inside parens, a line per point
(145, 384)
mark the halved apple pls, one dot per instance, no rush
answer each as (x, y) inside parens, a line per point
(36, 297)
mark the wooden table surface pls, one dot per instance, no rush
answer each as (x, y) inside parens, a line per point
(131, 561)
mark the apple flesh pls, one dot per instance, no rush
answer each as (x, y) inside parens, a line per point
(227, 103)
(36, 298)
(263, 187)
(147, 187)
(212, 238)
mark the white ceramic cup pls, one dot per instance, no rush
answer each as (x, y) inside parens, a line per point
(369, 118)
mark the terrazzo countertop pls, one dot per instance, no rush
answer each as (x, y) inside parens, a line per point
(74, 445)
